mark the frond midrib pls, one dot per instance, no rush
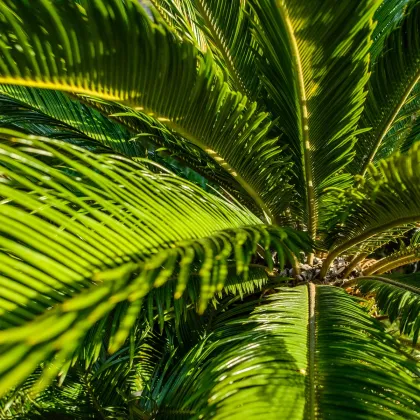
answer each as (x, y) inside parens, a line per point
(223, 48)
(403, 286)
(220, 161)
(388, 264)
(73, 89)
(311, 400)
(364, 236)
(305, 145)
(388, 123)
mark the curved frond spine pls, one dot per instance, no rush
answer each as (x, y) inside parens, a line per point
(305, 68)
(86, 232)
(399, 298)
(394, 75)
(232, 362)
(382, 203)
(67, 53)
(405, 255)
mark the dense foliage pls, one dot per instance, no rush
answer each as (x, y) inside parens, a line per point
(193, 196)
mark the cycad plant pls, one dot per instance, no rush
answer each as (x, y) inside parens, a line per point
(188, 189)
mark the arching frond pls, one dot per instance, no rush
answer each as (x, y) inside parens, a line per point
(406, 254)
(405, 130)
(161, 305)
(387, 17)
(54, 114)
(227, 29)
(114, 51)
(291, 355)
(26, 106)
(181, 16)
(394, 75)
(82, 232)
(383, 204)
(194, 157)
(399, 298)
(314, 65)
(106, 389)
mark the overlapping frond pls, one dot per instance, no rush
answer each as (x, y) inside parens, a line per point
(161, 306)
(387, 17)
(354, 349)
(399, 298)
(314, 65)
(113, 50)
(383, 204)
(53, 114)
(406, 254)
(166, 141)
(181, 16)
(226, 26)
(405, 130)
(260, 359)
(82, 232)
(105, 389)
(394, 75)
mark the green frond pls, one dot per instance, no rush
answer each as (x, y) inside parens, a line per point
(161, 306)
(82, 232)
(181, 16)
(399, 298)
(404, 255)
(226, 29)
(38, 110)
(384, 204)
(394, 75)
(405, 130)
(387, 17)
(70, 48)
(254, 360)
(105, 390)
(314, 64)
(179, 149)
(53, 114)
(380, 240)
(228, 25)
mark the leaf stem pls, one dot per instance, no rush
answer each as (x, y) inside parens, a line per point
(386, 264)
(310, 409)
(389, 123)
(306, 146)
(357, 258)
(404, 286)
(362, 237)
(221, 45)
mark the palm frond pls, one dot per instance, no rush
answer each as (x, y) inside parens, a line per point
(387, 17)
(399, 298)
(406, 254)
(394, 75)
(56, 115)
(104, 390)
(165, 140)
(255, 360)
(181, 16)
(314, 65)
(226, 29)
(384, 204)
(82, 232)
(405, 130)
(53, 114)
(161, 306)
(70, 48)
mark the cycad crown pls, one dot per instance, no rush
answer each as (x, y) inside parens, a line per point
(183, 186)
